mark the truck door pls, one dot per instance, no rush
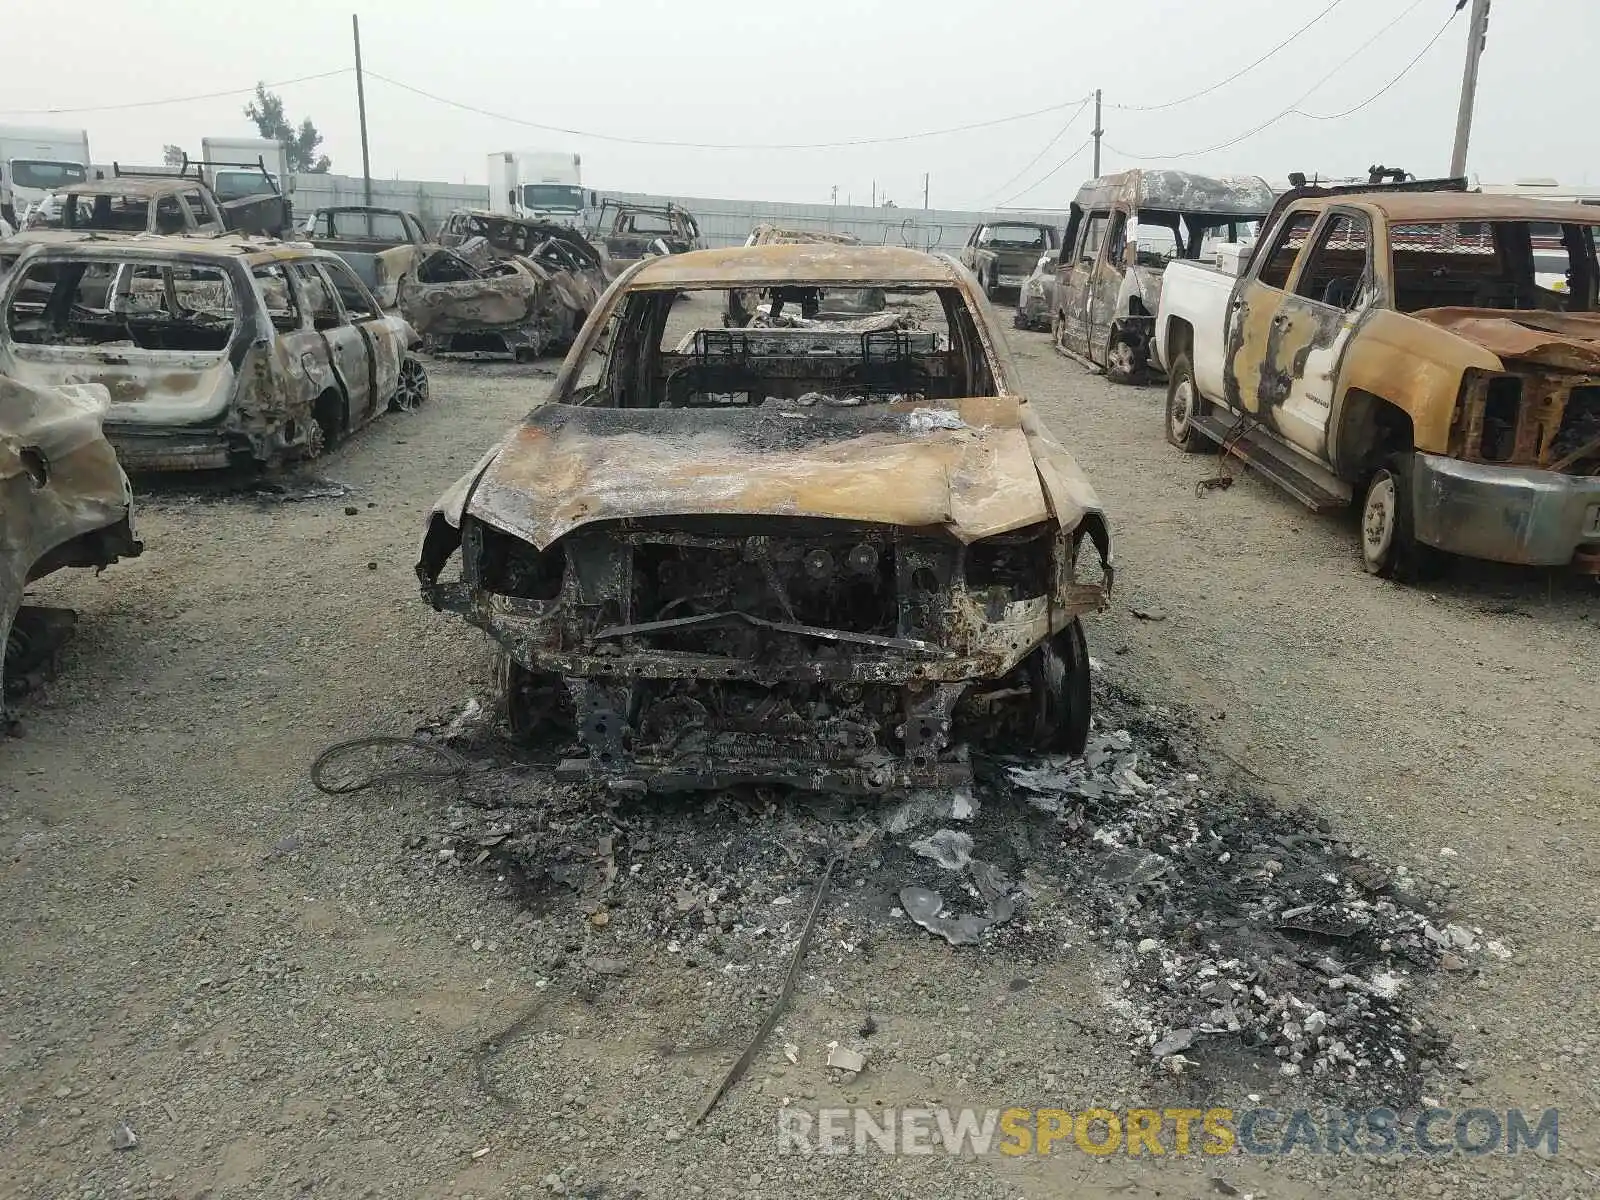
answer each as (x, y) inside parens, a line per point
(1333, 285)
(1075, 292)
(1253, 310)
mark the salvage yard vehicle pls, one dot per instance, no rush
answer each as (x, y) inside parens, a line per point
(173, 202)
(382, 245)
(1397, 347)
(64, 500)
(216, 351)
(743, 306)
(1001, 253)
(823, 558)
(633, 231)
(503, 285)
(1122, 232)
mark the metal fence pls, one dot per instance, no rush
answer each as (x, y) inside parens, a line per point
(723, 222)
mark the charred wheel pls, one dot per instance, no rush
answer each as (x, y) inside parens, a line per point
(1183, 406)
(411, 392)
(1389, 545)
(1058, 676)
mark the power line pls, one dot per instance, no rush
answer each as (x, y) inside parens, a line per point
(1082, 146)
(1294, 110)
(635, 141)
(1245, 70)
(1076, 113)
(1347, 112)
(39, 112)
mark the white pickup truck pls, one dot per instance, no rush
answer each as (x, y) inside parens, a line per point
(1402, 348)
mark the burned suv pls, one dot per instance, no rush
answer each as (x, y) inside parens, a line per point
(831, 558)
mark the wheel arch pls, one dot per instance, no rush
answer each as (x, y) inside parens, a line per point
(1367, 429)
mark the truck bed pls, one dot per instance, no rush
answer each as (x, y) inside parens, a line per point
(1196, 294)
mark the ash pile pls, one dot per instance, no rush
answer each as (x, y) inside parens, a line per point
(1241, 926)
(1240, 933)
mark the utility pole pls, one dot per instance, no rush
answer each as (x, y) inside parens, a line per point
(874, 193)
(834, 211)
(924, 191)
(1098, 131)
(1477, 32)
(361, 107)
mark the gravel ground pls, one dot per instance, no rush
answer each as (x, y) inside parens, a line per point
(285, 993)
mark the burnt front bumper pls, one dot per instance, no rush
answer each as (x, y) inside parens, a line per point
(1507, 514)
(611, 685)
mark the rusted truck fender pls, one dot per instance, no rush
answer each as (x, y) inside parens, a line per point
(1413, 365)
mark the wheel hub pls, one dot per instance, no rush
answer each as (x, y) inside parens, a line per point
(1182, 409)
(1378, 519)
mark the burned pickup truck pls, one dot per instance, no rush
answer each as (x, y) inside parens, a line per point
(829, 559)
(1002, 253)
(381, 245)
(503, 285)
(216, 352)
(1406, 349)
(634, 231)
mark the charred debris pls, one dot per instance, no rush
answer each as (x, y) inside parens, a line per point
(1235, 933)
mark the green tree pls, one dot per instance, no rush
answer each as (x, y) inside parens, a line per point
(173, 156)
(266, 110)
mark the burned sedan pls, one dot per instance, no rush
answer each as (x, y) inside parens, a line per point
(826, 558)
(217, 352)
(503, 285)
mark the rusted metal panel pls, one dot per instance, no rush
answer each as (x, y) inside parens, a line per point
(64, 500)
(1570, 341)
(773, 265)
(569, 466)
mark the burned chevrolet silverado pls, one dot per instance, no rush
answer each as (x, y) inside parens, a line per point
(825, 558)
(503, 285)
(1404, 349)
(217, 352)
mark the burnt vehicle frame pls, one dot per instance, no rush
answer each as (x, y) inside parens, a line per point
(667, 229)
(1108, 288)
(502, 285)
(714, 592)
(288, 353)
(1002, 263)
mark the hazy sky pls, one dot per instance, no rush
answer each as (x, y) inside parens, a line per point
(740, 71)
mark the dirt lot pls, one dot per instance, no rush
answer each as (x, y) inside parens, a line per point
(285, 993)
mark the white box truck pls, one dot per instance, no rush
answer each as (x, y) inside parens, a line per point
(35, 162)
(235, 173)
(537, 184)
